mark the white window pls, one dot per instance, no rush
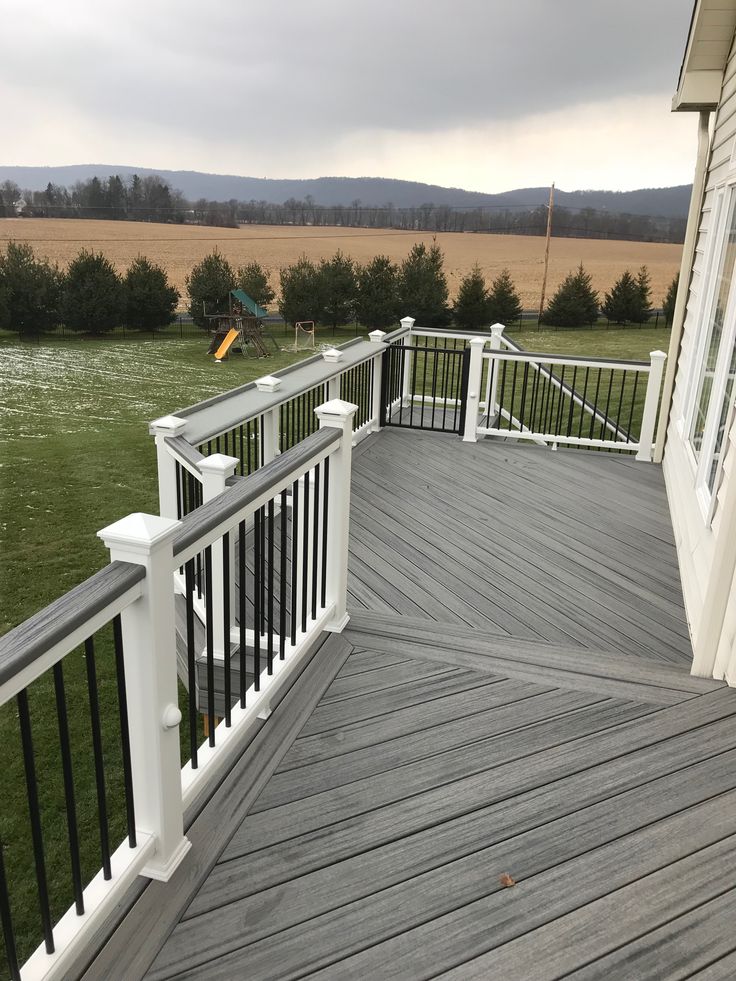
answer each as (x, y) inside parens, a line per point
(712, 391)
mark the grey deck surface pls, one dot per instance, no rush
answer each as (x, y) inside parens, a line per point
(512, 698)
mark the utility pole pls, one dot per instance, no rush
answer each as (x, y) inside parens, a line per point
(546, 251)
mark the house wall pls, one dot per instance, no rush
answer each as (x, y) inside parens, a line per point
(694, 536)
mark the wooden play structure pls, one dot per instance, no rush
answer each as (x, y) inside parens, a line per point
(243, 322)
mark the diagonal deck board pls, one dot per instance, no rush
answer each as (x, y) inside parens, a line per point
(516, 699)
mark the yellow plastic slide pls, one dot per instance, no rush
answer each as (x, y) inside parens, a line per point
(222, 350)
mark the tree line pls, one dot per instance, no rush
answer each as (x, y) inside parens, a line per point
(152, 198)
(92, 297)
(89, 297)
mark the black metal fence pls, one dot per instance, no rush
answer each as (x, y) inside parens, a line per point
(424, 385)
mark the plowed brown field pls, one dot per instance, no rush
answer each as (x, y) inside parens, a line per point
(178, 248)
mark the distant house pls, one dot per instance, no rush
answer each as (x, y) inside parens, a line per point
(20, 206)
(698, 444)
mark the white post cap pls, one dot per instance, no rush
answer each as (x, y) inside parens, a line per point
(138, 532)
(269, 383)
(477, 341)
(167, 426)
(497, 329)
(407, 322)
(218, 463)
(335, 410)
(657, 355)
(377, 336)
(332, 355)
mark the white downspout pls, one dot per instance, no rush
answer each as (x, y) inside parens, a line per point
(688, 251)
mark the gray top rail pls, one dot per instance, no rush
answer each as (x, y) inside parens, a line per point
(31, 639)
(223, 412)
(184, 449)
(269, 478)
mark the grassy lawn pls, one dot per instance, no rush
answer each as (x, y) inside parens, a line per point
(76, 455)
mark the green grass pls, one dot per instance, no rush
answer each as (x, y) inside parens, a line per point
(76, 455)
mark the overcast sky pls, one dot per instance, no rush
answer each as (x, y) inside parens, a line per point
(480, 94)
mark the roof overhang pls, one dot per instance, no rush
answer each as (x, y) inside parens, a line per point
(708, 45)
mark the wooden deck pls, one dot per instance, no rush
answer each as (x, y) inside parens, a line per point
(510, 699)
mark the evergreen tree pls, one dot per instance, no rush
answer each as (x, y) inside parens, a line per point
(575, 304)
(668, 303)
(377, 301)
(471, 306)
(643, 307)
(92, 299)
(150, 301)
(301, 292)
(209, 285)
(423, 286)
(504, 303)
(338, 289)
(253, 279)
(31, 290)
(622, 304)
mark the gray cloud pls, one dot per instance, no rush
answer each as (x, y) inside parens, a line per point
(296, 76)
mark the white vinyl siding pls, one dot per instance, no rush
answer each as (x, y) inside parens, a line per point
(693, 531)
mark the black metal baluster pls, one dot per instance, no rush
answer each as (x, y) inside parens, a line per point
(177, 474)
(210, 646)
(117, 637)
(191, 661)
(24, 718)
(241, 611)
(502, 394)
(257, 585)
(631, 411)
(608, 403)
(434, 383)
(249, 443)
(305, 555)
(584, 400)
(620, 404)
(242, 453)
(282, 579)
(560, 402)
(69, 796)
(294, 557)
(6, 919)
(423, 403)
(445, 362)
(226, 624)
(595, 404)
(572, 400)
(414, 356)
(524, 381)
(94, 711)
(199, 575)
(270, 589)
(315, 542)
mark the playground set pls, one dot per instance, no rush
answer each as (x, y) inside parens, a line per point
(244, 323)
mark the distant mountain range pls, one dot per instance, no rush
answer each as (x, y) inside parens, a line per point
(668, 202)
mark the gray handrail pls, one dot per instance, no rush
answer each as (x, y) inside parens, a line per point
(31, 639)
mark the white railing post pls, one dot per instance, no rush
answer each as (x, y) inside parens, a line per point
(406, 375)
(651, 402)
(472, 401)
(338, 415)
(492, 378)
(149, 645)
(216, 470)
(270, 420)
(377, 337)
(160, 429)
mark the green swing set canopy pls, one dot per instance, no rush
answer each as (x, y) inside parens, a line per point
(248, 304)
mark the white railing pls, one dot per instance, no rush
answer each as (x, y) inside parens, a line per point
(260, 420)
(137, 592)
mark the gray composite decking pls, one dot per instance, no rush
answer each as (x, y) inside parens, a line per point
(510, 698)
